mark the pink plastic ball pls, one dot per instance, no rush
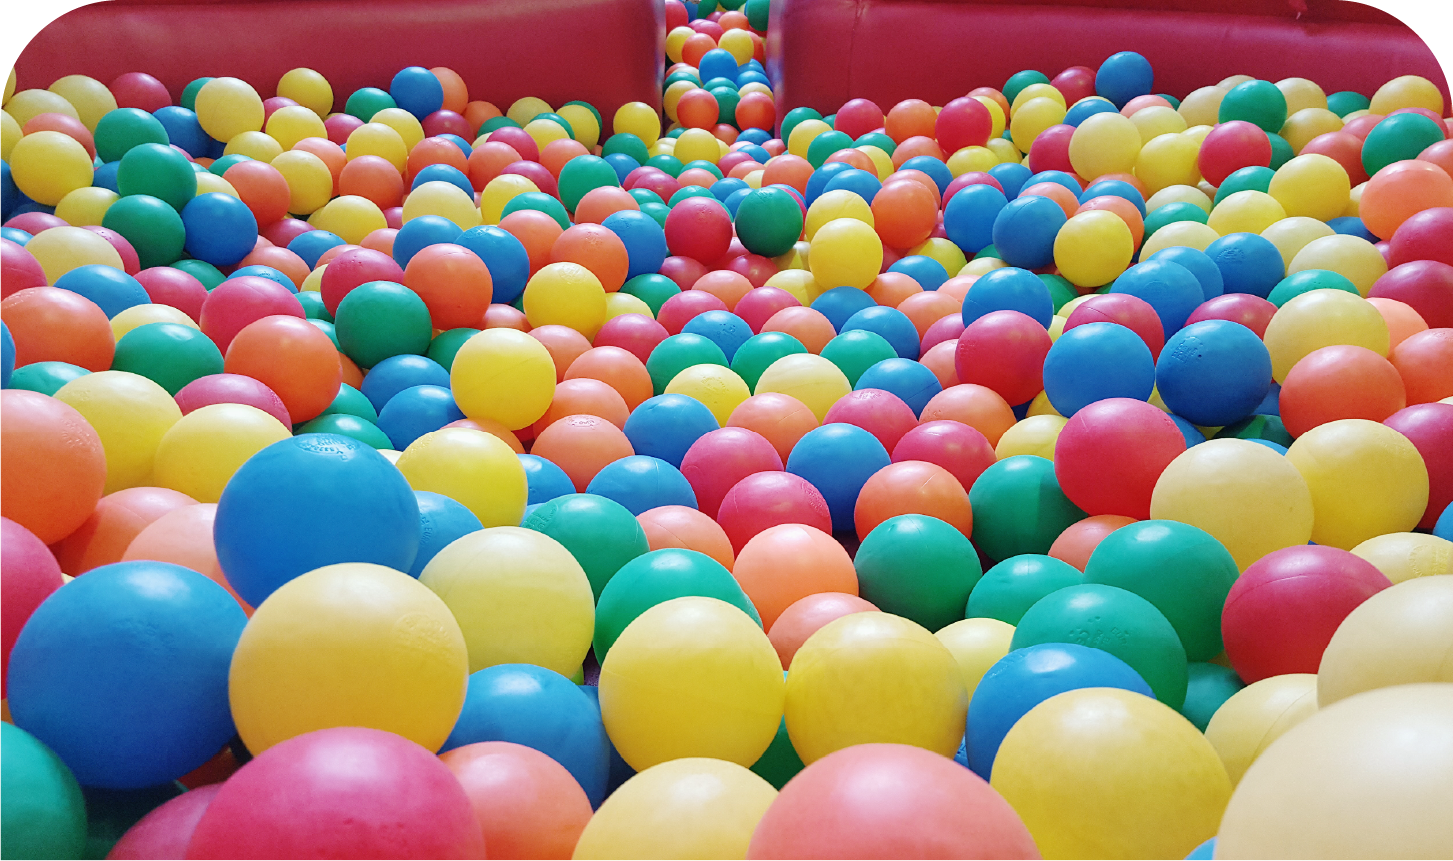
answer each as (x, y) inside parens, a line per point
(237, 302)
(719, 459)
(882, 414)
(766, 499)
(168, 286)
(1132, 312)
(636, 333)
(1110, 454)
(231, 389)
(958, 448)
(1253, 312)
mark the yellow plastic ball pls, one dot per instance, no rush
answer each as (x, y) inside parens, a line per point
(1400, 636)
(1041, 406)
(227, 107)
(882, 162)
(519, 596)
(130, 414)
(403, 122)
(566, 294)
(996, 117)
(1169, 160)
(441, 198)
(803, 134)
(1190, 234)
(982, 266)
(380, 140)
(1364, 778)
(290, 124)
(526, 109)
(1203, 106)
(308, 88)
(1104, 143)
(583, 123)
(353, 644)
(720, 389)
(86, 206)
(26, 105)
(1032, 118)
(1245, 495)
(1178, 194)
(1158, 120)
(210, 183)
(1245, 212)
(1311, 185)
(545, 132)
(1351, 256)
(141, 315)
(685, 808)
(1408, 91)
(254, 145)
(1035, 91)
(874, 677)
(738, 43)
(58, 250)
(846, 252)
(1291, 235)
(46, 166)
(314, 282)
(1354, 201)
(971, 159)
(1301, 94)
(310, 183)
(9, 135)
(500, 191)
(639, 119)
(664, 146)
(675, 41)
(976, 645)
(503, 375)
(1366, 480)
(697, 145)
(10, 84)
(1198, 133)
(91, 98)
(351, 217)
(948, 255)
(1405, 555)
(1034, 435)
(755, 87)
(619, 303)
(798, 282)
(205, 447)
(476, 469)
(1257, 715)
(1093, 248)
(835, 204)
(1322, 318)
(1106, 773)
(1056, 328)
(1309, 123)
(815, 381)
(691, 677)
(1005, 150)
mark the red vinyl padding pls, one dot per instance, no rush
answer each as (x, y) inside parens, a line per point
(606, 52)
(823, 52)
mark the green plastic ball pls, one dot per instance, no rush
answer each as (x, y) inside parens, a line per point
(1172, 213)
(825, 145)
(189, 93)
(1269, 428)
(1060, 290)
(313, 307)
(1255, 178)
(758, 14)
(667, 163)
(1346, 102)
(1281, 151)
(780, 763)
(1019, 80)
(879, 140)
(643, 196)
(657, 211)
(1256, 102)
(651, 288)
(219, 167)
(679, 352)
(758, 352)
(446, 344)
(119, 130)
(152, 226)
(654, 578)
(42, 811)
(350, 426)
(625, 143)
(768, 221)
(209, 275)
(1010, 588)
(857, 350)
(169, 354)
(584, 174)
(1306, 281)
(600, 533)
(558, 120)
(366, 102)
(1397, 138)
(350, 401)
(540, 202)
(328, 329)
(989, 251)
(45, 377)
(1119, 622)
(1019, 508)
(1208, 687)
(499, 122)
(686, 192)
(917, 567)
(381, 319)
(702, 164)
(159, 171)
(796, 117)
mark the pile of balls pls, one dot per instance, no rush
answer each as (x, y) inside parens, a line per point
(1065, 471)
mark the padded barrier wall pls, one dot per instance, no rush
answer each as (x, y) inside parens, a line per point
(606, 52)
(823, 52)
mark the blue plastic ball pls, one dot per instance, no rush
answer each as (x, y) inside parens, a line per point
(441, 522)
(544, 479)
(1115, 188)
(644, 239)
(1124, 76)
(443, 173)
(1011, 176)
(417, 91)
(838, 459)
(724, 188)
(1192, 433)
(112, 290)
(1213, 373)
(540, 709)
(397, 373)
(312, 245)
(1170, 288)
(1444, 527)
(718, 63)
(1026, 677)
(419, 233)
(968, 217)
(1086, 108)
(1009, 288)
(892, 324)
(1058, 177)
(817, 183)
(929, 273)
(1025, 229)
(7, 355)
(259, 271)
(15, 234)
(665, 426)
(1249, 263)
(860, 182)
(503, 255)
(913, 383)
(1199, 265)
(11, 196)
(839, 304)
(622, 164)
(640, 483)
(416, 411)
(722, 328)
(936, 170)
(1096, 361)
(123, 673)
(1351, 225)
(183, 130)
(220, 228)
(311, 501)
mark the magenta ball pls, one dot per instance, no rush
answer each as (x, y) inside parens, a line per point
(719, 459)
(680, 309)
(1430, 428)
(882, 414)
(758, 306)
(1110, 454)
(31, 574)
(1004, 351)
(238, 302)
(166, 831)
(635, 333)
(1425, 236)
(766, 499)
(699, 228)
(1132, 312)
(231, 389)
(1426, 286)
(958, 448)
(946, 328)
(1253, 312)
(167, 286)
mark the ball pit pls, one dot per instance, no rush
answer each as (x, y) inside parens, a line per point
(647, 465)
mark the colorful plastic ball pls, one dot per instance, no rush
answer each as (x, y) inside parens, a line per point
(1257, 715)
(663, 682)
(1393, 638)
(1366, 479)
(1339, 382)
(421, 809)
(720, 458)
(472, 467)
(289, 356)
(666, 426)
(641, 483)
(1097, 361)
(234, 389)
(582, 445)
(846, 252)
(906, 688)
(1025, 229)
(1423, 286)
(221, 230)
(1257, 102)
(1005, 351)
(1248, 263)
(140, 725)
(1168, 793)
(766, 499)
(1093, 248)
(1019, 508)
(1213, 373)
(46, 813)
(838, 460)
(807, 615)
(1428, 426)
(504, 375)
(655, 577)
(1124, 76)
(1010, 588)
(944, 565)
(1318, 319)
(111, 289)
(1400, 191)
(1110, 454)
(543, 821)
(699, 228)
(813, 380)
(1284, 610)
(1171, 289)
(909, 381)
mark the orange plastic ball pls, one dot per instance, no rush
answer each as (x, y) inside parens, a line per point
(912, 487)
(785, 563)
(904, 214)
(493, 428)
(806, 615)
(725, 284)
(940, 360)
(976, 406)
(696, 47)
(1076, 543)
(698, 177)
(453, 282)
(527, 804)
(1339, 382)
(1056, 192)
(1402, 321)
(54, 325)
(809, 326)
(1425, 362)
(262, 187)
(381, 239)
(597, 249)
(687, 528)
(916, 146)
(781, 419)
(922, 179)
(697, 109)
(117, 519)
(280, 259)
(292, 357)
(335, 251)
(351, 374)
(891, 288)
(910, 118)
(433, 151)
(536, 231)
(456, 92)
(787, 170)
(478, 113)
(600, 203)
(499, 316)
(585, 397)
(55, 467)
(854, 157)
(582, 446)
(616, 367)
(1400, 191)
(488, 160)
(556, 153)
(927, 308)
(183, 536)
(564, 343)
(756, 111)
